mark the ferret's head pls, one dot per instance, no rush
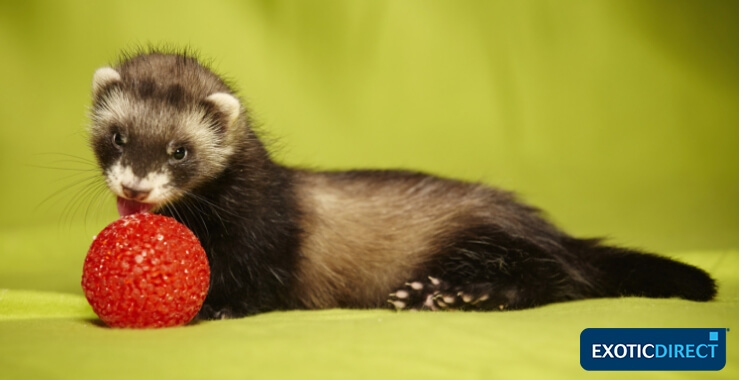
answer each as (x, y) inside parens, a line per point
(161, 125)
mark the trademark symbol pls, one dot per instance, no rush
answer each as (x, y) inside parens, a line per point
(727, 329)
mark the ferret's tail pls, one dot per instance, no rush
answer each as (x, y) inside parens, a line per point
(625, 272)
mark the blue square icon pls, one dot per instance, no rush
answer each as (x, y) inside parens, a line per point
(713, 336)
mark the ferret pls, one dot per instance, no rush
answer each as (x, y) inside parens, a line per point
(171, 137)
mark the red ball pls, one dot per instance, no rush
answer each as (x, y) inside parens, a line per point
(146, 270)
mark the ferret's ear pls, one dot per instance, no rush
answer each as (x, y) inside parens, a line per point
(103, 77)
(226, 106)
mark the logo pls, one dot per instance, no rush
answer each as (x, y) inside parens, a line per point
(653, 349)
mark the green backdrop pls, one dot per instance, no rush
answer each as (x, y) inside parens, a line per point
(619, 118)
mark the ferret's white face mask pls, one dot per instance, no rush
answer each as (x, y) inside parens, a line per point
(135, 194)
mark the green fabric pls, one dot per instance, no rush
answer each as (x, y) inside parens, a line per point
(619, 118)
(56, 335)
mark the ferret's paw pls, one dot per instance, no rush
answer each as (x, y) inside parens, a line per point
(208, 313)
(436, 294)
(418, 295)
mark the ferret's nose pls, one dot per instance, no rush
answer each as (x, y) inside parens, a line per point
(136, 195)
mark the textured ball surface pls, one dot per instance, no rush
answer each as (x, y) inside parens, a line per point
(145, 270)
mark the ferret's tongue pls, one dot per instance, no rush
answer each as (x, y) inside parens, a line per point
(127, 207)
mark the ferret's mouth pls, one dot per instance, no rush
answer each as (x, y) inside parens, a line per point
(128, 207)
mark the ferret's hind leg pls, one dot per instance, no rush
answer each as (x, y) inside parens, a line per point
(485, 269)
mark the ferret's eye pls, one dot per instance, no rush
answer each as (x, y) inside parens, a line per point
(118, 139)
(179, 154)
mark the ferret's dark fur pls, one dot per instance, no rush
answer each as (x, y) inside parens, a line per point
(280, 238)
